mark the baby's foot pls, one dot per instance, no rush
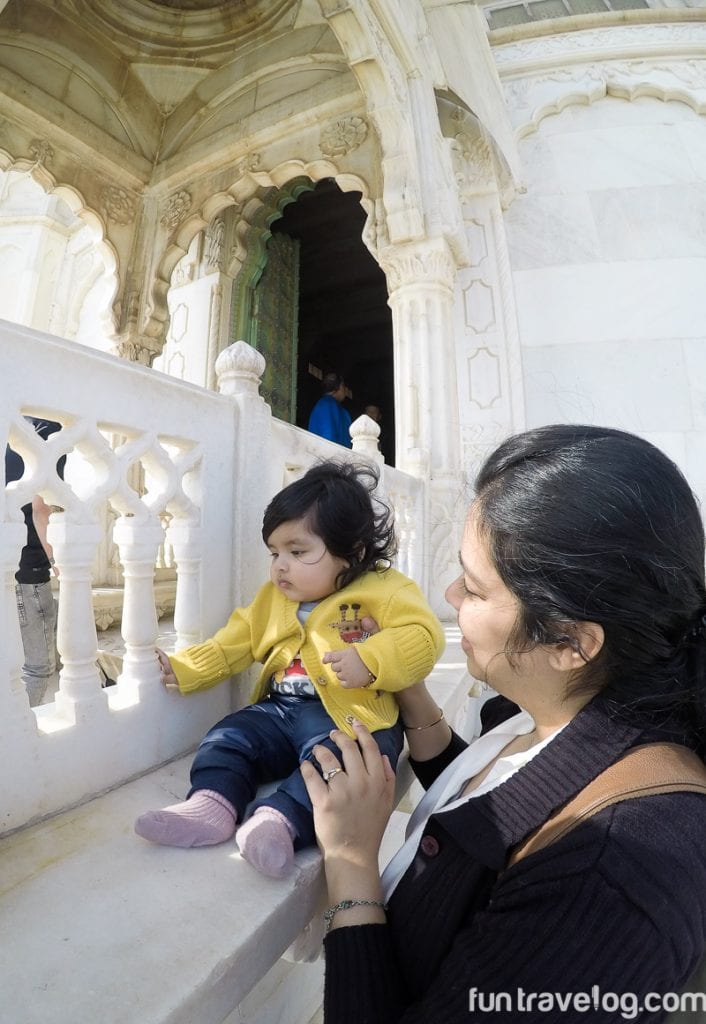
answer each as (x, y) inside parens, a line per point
(205, 819)
(265, 841)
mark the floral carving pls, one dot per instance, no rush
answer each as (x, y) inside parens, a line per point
(343, 136)
(472, 162)
(592, 41)
(175, 209)
(409, 266)
(247, 164)
(215, 235)
(42, 152)
(117, 204)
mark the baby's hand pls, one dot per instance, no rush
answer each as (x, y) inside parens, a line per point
(349, 667)
(165, 668)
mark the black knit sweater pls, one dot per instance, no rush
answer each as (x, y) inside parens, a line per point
(619, 903)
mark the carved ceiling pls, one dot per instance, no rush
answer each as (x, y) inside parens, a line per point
(198, 5)
(180, 29)
(140, 81)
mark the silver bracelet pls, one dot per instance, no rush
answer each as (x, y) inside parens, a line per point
(347, 905)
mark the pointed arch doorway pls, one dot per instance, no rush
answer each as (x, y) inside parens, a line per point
(336, 316)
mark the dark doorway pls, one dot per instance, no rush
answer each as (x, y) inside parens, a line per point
(345, 323)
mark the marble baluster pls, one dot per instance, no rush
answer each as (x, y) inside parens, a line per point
(185, 539)
(75, 546)
(402, 523)
(138, 543)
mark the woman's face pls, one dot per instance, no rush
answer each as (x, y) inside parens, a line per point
(487, 612)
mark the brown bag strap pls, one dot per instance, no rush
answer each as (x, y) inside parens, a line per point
(644, 771)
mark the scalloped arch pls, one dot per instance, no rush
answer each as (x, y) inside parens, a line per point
(589, 92)
(76, 203)
(240, 192)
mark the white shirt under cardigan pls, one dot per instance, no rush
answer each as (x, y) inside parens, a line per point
(443, 794)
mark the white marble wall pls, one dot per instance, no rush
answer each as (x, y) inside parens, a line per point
(608, 253)
(55, 275)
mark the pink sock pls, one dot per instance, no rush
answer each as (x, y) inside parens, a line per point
(205, 819)
(265, 841)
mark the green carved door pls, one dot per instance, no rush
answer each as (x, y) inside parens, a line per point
(273, 326)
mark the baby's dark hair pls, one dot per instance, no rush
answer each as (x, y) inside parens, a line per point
(338, 503)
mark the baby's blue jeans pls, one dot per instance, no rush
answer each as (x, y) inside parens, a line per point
(266, 742)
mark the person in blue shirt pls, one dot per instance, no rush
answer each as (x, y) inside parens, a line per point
(328, 417)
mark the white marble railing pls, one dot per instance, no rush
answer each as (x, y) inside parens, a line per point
(210, 463)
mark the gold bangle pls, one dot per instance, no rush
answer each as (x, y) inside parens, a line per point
(419, 728)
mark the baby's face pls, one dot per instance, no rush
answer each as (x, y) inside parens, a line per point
(302, 566)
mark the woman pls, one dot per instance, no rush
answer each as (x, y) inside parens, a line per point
(582, 602)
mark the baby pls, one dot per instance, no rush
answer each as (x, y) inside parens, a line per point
(331, 544)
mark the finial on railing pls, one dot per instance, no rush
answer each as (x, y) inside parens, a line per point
(365, 434)
(239, 369)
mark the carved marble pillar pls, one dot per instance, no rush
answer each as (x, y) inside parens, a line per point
(185, 540)
(138, 543)
(420, 280)
(407, 532)
(75, 547)
(239, 370)
(421, 283)
(489, 360)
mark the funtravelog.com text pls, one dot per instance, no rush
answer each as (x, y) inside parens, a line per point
(626, 1005)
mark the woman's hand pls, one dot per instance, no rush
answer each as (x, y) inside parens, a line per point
(416, 705)
(351, 811)
(425, 728)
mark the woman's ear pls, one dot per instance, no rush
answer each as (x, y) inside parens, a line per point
(582, 644)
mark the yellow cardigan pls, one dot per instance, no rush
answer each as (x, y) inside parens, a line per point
(404, 651)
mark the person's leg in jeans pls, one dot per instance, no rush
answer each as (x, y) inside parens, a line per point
(36, 609)
(283, 821)
(251, 746)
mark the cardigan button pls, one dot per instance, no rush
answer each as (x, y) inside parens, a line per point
(429, 846)
(322, 681)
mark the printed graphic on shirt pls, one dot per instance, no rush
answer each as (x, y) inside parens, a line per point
(293, 681)
(349, 625)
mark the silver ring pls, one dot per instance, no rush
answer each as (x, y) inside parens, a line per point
(327, 776)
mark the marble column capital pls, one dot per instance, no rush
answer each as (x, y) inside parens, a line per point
(428, 263)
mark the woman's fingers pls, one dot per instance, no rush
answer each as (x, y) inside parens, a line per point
(315, 785)
(369, 749)
(360, 759)
(352, 808)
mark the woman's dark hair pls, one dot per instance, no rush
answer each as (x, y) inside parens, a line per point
(589, 524)
(337, 500)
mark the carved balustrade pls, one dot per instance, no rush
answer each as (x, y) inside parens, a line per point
(179, 469)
